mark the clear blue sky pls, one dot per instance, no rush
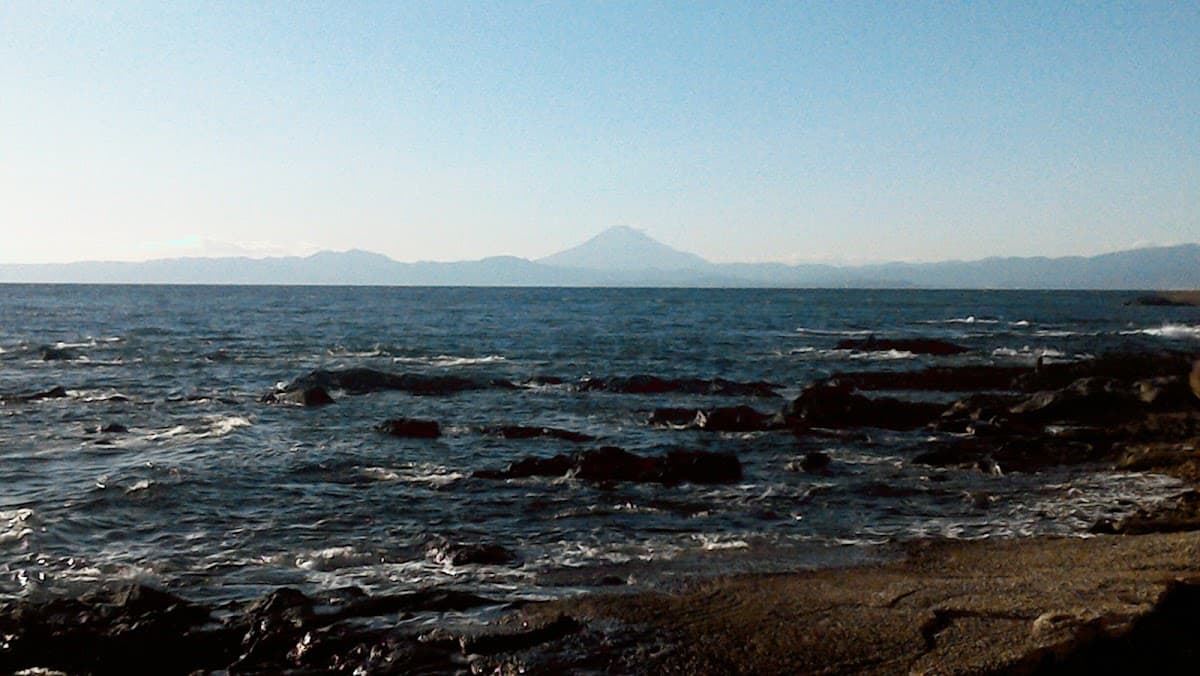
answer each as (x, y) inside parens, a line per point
(442, 131)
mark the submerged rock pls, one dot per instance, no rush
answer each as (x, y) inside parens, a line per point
(647, 384)
(306, 396)
(610, 463)
(528, 432)
(410, 427)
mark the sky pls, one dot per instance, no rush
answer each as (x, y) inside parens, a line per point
(795, 132)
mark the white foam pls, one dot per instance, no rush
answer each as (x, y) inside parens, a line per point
(448, 360)
(1170, 331)
(16, 525)
(834, 332)
(219, 426)
(138, 486)
(711, 543)
(334, 558)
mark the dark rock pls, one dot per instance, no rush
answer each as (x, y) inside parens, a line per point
(610, 463)
(58, 354)
(462, 554)
(817, 461)
(1125, 367)
(57, 392)
(365, 381)
(525, 432)
(130, 628)
(929, 346)
(510, 641)
(701, 467)
(410, 427)
(1181, 513)
(733, 419)
(674, 417)
(835, 405)
(1167, 299)
(1089, 400)
(937, 379)
(1194, 379)
(114, 428)
(1164, 392)
(306, 396)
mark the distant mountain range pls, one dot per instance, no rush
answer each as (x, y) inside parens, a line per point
(624, 256)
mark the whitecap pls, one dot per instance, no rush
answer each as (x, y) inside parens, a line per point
(883, 355)
(448, 360)
(16, 525)
(1023, 323)
(834, 332)
(219, 426)
(711, 543)
(334, 558)
(1169, 331)
(141, 485)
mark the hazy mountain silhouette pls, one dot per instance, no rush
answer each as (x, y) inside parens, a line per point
(624, 256)
(625, 248)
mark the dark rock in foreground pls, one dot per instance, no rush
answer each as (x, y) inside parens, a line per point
(938, 379)
(929, 346)
(615, 464)
(410, 427)
(835, 405)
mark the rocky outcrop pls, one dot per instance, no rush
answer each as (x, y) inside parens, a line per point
(937, 379)
(835, 405)
(138, 629)
(609, 464)
(366, 380)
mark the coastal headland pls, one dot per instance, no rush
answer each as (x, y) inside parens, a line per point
(1121, 600)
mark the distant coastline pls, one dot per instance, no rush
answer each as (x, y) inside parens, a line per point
(623, 257)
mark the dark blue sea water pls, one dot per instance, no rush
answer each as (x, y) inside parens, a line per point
(218, 496)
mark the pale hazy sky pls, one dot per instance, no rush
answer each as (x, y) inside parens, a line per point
(442, 131)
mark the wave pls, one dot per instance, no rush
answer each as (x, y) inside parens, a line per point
(969, 319)
(435, 476)
(16, 525)
(335, 558)
(825, 353)
(1030, 352)
(213, 426)
(448, 360)
(835, 332)
(1169, 331)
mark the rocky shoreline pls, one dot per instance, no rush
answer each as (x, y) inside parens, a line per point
(1120, 599)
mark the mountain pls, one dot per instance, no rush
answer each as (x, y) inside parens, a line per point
(624, 248)
(627, 257)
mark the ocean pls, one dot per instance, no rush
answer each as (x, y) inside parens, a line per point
(199, 487)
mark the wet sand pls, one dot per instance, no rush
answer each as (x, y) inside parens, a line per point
(1051, 605)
